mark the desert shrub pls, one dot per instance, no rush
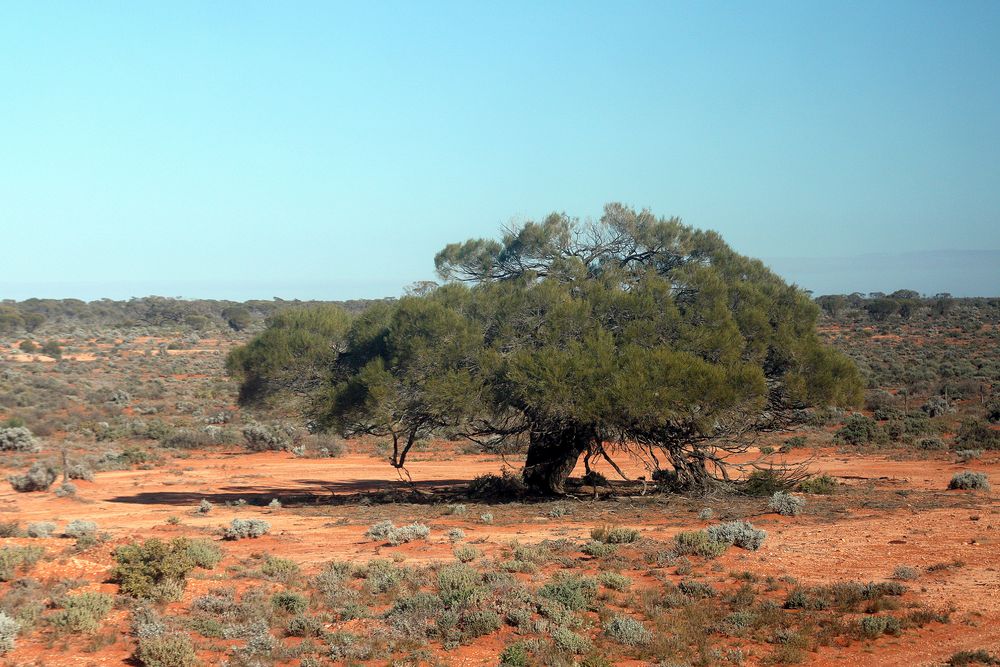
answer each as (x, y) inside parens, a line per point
(969, 480)
(614, 580)
(204, 553)
(273, 437)
(937, 406)
(872, 627)
(766, 482)
(458, 584)
(455, 534)
(82, 612)
(304, 626)
(386, 531)
(41, 529)
(508, 486)
(8, 633)
(977, 657)
(905, 573)
(614, 534)
(279, 569)
(467, 553)
(66, 489)
(626, 630)
(964, 455)
(486, 517)
(844, 595)
(289, 602)
(456, 510)
(15, 559)
(479, 622)
(515, 655)
(860, 430)
(819, 485)
(795, 442)
(567, 640)
(698, 543)
(18, 439)
(39, 477)
(695, 589)
(167, 649)
(79, 528)
(10, 529)
(976, 434)
(204, 507)
(80, 471)
(738, 533)
(240, 529)
(931, 444)
(153, 570)
(381, 576)
(786, 504)
(574, 591)
(706, 513)
(599, 549)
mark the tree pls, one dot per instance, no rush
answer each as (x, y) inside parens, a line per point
(292, 356)
(237, 317)
(630, 333)
(643, 333)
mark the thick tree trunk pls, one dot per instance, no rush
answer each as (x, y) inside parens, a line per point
(552, 455)
(692, 474)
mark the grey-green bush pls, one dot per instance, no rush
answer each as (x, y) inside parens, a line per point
(18, 439)
(969, 480)
(786, 504)
(40, 529)
(738, 533)
(8, 633)
(39, 477)
(240, 529)
(626, 630)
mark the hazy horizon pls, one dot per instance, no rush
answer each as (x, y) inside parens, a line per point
(951, 271)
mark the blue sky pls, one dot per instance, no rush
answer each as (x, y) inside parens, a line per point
(328, 150)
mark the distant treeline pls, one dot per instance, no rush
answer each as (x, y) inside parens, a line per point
(32, 315)
(905, 304)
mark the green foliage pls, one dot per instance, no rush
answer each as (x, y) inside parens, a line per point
(15, 559)
(168, 649)
(153, 570)
(698, 543)
(574, 591)
(629, 329)
(289, 602)
(239, 529)
(968, 480)
(8, 633)
(860, 430)
(738, 533)
(39, 477)
(82, 612)
(626, 630)
(291, 354)
(819, 485)
(614, 534)
(786, 504)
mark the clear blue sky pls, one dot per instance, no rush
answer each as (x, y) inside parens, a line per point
(328, 150)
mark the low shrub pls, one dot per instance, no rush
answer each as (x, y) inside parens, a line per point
(872, 627)
(41, 529)
(80, 528)
(279, 569)
(614, 534)
(204, 553)
(15, 559)
(819, 485)
(569, 641)
(698, 543)
(153, 570)
(626, 630)
(240, 529)
(467, 553)
(387, 531)
(905, 573)
(82, 612)
(8, 633)
(39, 477)
(506, 487)
(289, 602)
(168, 649)
(786, 504)
(18, 439)
(574, 591)
(970, 481)
(614, 580)
(738, 533)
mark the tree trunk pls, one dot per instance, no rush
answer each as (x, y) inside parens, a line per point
(552, 455)
(692, 474)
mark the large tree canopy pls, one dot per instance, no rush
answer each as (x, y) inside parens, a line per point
(631, 332)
